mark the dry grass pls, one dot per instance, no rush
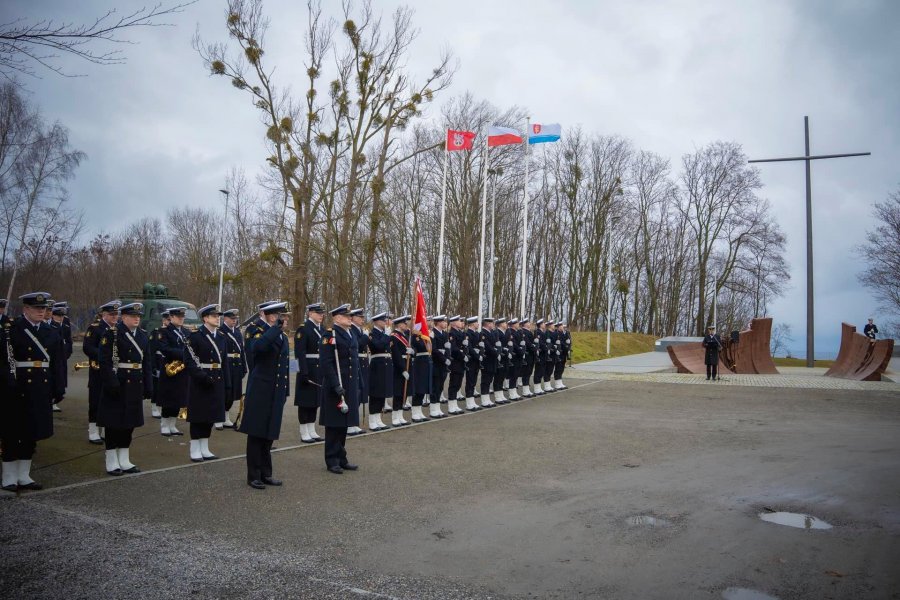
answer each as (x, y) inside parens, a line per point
(591, 345)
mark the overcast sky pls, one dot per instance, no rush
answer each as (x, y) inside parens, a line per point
(671, 76)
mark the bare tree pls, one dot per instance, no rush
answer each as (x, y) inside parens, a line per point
(881, 254)
(26, 45)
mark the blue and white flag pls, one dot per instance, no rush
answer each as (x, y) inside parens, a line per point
(538, 134)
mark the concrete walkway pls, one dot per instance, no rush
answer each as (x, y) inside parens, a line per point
(648, 362)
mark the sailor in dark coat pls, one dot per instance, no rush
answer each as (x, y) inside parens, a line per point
(514, 365)
(381, 370)
(32, 349)
(458, 360)
(540, 355)
(713, 343)
(490, 347)
(127, 380)
(473, 366)
(421, 374)
(564, 339)
(402, 353)
(107, 317)
(156, 362)
(358, 317)
(236, 361)
(171, 344)
(306, 351)
(503, 344)
(60, 322)
(268, 386)
(341, 389)
(526, 344)
(551, 356)
(440, 360)
(210, 381)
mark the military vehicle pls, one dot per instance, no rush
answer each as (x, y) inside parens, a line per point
(156, 298)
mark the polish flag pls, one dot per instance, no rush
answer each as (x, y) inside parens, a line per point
(501, 136)
(459, 140)
(420, 324)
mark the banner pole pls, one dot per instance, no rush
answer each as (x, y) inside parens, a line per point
(440, 285)
(483, 225)
(525, 220)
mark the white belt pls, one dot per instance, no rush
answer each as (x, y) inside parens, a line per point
(364, 354)
(384, 355)
(33, 364)
(312, 355)
(128, 366)
(234, 355)
(210, 366)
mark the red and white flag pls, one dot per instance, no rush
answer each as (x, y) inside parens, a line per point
(501, 136)
(420, 324)
(459, 140)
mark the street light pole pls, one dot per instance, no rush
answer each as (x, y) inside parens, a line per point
(222, 249)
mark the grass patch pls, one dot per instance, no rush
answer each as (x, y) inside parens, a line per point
(591, 345)
(801, 362)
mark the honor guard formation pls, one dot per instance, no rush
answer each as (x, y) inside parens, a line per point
(347, 376)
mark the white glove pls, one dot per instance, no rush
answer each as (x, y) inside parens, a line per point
(343, 407)
(481, 344)
(498, 344)
(447, 345)
(466, 342)
(410, 351)
(509, 343)
(465, 359)
(406, 375)
(447, 362)
(557, 342)
(522, 343)
(557, 352)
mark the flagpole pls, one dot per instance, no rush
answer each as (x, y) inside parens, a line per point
(493, 245)
(440, 286)
(483, 224)
(525, 219)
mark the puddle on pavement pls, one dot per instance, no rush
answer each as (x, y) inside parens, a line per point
(648, 521)
(794, 520)
(735, 593)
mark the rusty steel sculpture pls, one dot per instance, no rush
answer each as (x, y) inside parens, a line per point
(859, 357)
(749, 353)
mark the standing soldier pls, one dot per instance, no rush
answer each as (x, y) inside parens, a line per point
(458, 360)
(32, 349)
(540, 351)
(421, 374)
(127, 380)
(210, 381)
(157, 361)
(60, 322)
(476, 357)
(341, 387)
(503, 343)
(713, 343)
(358, 317)
(236, 361)
(515, 358)
(381, 370)
(526, 344)
(489, 346)
(268, 386)
(306, 351)
(565, 348)
(109, 314)
(4, 318)
(401, 353)
(174, 381)
(551, 356)
(440, 358)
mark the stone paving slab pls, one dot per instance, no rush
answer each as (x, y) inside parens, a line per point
(768, 381)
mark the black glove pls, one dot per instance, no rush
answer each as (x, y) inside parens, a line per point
(339, 391)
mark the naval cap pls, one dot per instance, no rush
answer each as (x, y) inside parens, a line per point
(231, 312)
(382, 316)
(358, 312)
(470, 320)
(275, 307)
(343, 309)
(111, 306)
(439, 318)
(500, 320)
(539, 321)
(132, 309)
(318, 307)
(209, 310)
(455, 318)
(36, 299)
(513, 321)
(402, 319)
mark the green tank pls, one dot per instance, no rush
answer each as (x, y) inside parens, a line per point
(156, 298)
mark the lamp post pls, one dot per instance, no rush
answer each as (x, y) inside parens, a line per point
(609, 222)
(222, 249)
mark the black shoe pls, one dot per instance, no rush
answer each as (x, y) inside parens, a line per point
(114, 472)
(350, 467)
(271, 481)
(197, 460)
(419, 420)
(177, 433)
(256, 484)
(95, 442)
(318, 439)
(11, 487)
(352, 433)
(336, 470)
(308, 441)
(131, 470)
(34, 485)
(213, 457)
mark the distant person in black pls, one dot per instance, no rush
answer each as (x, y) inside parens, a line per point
(713, 343)
(870, 329)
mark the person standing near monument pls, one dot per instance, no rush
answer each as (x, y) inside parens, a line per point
(713, 343)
